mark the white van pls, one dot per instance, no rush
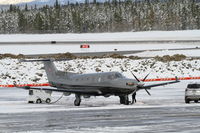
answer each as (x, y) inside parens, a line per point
(39, 96)
(192, 93)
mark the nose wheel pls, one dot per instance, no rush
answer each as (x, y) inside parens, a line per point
(77, 101)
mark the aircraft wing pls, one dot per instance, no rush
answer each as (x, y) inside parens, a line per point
(77, 91)
(160, 84)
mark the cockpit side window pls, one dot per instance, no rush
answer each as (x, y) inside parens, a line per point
(115, 76)
(118, 75)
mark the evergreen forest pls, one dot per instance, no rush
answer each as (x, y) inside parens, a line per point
(95, 17)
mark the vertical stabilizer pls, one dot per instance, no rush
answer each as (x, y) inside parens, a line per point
(53, 74)
(51, 70)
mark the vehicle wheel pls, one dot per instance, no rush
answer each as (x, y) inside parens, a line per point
(48, 100)
(77, 102)
(196, 101)
(38, 101)
(187, 101)
(30, 101)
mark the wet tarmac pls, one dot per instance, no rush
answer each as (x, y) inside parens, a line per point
(164, 111)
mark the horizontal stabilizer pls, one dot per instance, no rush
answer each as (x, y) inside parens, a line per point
(76, 91)
(38, 60)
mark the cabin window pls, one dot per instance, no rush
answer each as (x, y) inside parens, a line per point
(99, 79)
(111, 76)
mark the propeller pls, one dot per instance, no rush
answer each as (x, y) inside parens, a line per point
(145, 77)
(140, 86)
(148, 92)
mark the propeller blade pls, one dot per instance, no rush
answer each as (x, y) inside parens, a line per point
(135, 77)
(145, 77)
(148, 92)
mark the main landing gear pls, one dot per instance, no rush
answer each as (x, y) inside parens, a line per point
(77, 101)
(125, 99)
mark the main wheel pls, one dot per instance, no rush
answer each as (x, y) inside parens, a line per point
(126, 100)
(38, 101)
(77, 102)
(196, 101)
(121, 99)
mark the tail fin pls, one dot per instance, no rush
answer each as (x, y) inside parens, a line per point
(50, 69)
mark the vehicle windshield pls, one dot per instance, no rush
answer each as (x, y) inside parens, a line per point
(194, 86)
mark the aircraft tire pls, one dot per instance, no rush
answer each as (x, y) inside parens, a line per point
(77, 102)
(121, 99)
(126, 100)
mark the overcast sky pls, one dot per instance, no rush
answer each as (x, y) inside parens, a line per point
(13, 1)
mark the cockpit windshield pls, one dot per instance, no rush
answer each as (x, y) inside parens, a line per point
(115, 76)
(118, 75)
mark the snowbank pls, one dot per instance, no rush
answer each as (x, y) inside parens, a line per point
(26, 72)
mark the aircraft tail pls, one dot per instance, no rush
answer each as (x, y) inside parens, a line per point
(52, 73)
(50, 70)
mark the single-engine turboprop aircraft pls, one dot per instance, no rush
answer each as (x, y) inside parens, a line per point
(94, 84)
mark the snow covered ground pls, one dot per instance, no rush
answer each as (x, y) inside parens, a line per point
(164, 111)
(13, 100)
(49, 49)
(124, 36)
(26, 72)
(13, 70)
(121, 36)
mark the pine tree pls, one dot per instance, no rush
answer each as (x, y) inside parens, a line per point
(22, 22)
(11, 8)
(38, 25)
(26, 8)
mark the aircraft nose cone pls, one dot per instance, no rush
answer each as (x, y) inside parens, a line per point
(140, 84)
